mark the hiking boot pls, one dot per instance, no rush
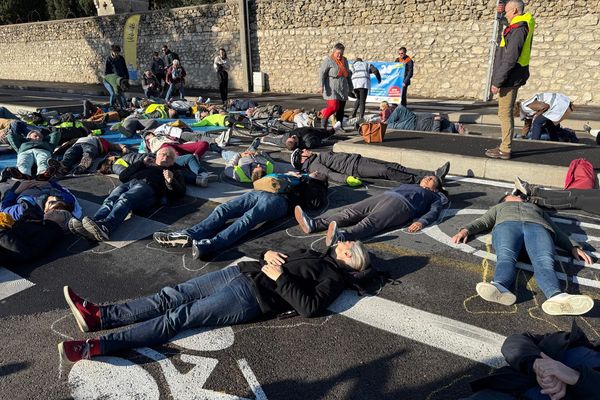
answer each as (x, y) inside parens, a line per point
(522, 186)
(442, 171)
(87, 314)
(88, 108)
(84, 164)
(333, 235)
(568, 304)
(497, 153)
(99, 232)
(76, 350)
(76, 228)
(46, 175)
(495, 293)
(306, 223)
(60, 168)
(172, 239)
(200, 249)
(14, 173)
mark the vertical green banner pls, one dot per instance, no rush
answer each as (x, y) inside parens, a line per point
(130, 40)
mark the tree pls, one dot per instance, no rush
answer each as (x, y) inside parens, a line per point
(16, 11)
(61, 9)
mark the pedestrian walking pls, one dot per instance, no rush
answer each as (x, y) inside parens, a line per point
(336, 82)
(361, 81)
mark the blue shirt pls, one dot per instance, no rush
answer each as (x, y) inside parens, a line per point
(424, 204)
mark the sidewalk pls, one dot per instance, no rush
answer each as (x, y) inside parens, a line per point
(542, 163)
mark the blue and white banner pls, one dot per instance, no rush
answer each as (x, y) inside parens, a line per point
(390, 88)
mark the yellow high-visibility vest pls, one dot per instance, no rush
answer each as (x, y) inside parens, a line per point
(526, 50)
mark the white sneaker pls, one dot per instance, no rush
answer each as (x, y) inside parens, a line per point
(223, 139)
(490, 292)
(202, 179)
(568, 304)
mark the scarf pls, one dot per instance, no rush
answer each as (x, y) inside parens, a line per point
(342, 68)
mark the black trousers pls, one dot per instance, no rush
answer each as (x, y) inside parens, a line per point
(370, 168)
(369, 216)
(223, 84)
(582, 199)
(339, 114)
(404, 93)
(360, 103)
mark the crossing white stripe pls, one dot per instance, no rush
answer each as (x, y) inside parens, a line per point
(11, 283)
(433, 330)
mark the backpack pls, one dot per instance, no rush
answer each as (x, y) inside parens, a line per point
(580, 175)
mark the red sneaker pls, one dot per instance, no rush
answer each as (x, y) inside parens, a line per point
(87, 315)
(75, 350)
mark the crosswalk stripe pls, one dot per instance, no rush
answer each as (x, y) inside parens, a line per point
(453, 336)
(11, 283)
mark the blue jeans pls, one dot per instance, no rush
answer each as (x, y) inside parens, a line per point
(170, 91)
(537, 128)
(402, 118)
(119, 98)
(136, 196)
(248, 210)
(220, 298)
(26, 159)
(508, 239)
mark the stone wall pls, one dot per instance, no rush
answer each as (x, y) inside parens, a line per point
(75, 50)
(448, 40)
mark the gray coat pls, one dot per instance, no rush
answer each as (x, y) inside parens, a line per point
(334, 88)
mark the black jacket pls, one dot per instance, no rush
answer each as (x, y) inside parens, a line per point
(116, 66)
(28, 240)
(507, 72)
(309, 283)
(153, 176)
(157, 66)
(336, 166)
(521, 350)
(309, 137)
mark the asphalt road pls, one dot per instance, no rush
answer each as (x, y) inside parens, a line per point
(425, 335)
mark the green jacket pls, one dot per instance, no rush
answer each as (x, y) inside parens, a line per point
(523, 212)
(114, 80)
(21, 144)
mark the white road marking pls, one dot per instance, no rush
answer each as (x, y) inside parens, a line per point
(11, 283)
(259, 393)
(433, 330)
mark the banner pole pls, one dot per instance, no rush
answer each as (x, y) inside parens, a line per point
(487, 94)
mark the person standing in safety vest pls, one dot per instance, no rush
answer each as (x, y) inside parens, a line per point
(511, 70)
(408, 71)
(361, 80)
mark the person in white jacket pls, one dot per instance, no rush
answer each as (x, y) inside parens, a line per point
(221, 65)
(361, 81)
(544, 110)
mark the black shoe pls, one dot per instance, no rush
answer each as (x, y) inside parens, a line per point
(332, 236)
(442, 171)
(14, 173)
(172, 239)
(5, 175)
(61, 169)
(201, 249)
(46, 175)
(99, 232)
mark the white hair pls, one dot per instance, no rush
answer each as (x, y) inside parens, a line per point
(519, 4)
(360, 258)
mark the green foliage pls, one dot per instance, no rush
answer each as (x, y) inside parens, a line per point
(18, 11)
(62, 9)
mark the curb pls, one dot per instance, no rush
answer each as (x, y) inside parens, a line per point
(469, 166)
(492, 119)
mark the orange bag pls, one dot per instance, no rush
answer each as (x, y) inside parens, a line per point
(373, 132)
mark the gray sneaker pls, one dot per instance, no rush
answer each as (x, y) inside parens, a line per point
(98, 231)
(522, 186)
(76, 228)
(172, 239)
(332, 236)
(223, 139)
(306, 223)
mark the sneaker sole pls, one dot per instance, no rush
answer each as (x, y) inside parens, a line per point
(490, 293)
(300, 220)
(98, 234)
(63, 354)
(81, 231)
(575, 306)
(329, 236)
(83, 326)
(520, 187)
(173, 243)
